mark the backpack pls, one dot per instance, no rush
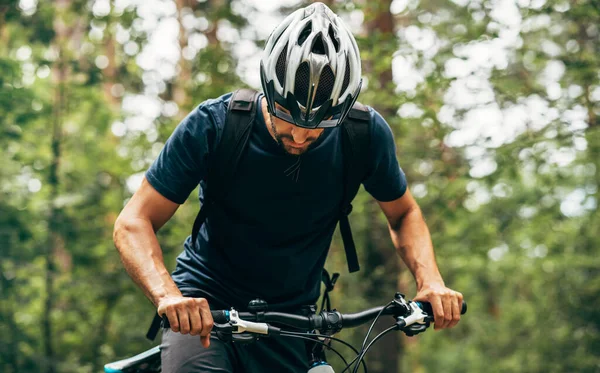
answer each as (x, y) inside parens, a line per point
(356, 138)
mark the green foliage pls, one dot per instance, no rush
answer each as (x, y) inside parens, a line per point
(520, 242)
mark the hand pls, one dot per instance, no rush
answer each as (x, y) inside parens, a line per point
(445, 302)
(188, 315)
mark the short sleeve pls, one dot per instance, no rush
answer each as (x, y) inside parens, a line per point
(182, 162)
(385, 180)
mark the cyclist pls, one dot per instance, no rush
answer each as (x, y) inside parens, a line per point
(270, 238)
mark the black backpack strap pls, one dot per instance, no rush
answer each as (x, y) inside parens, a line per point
(234, 139)
(236, 132)
(154, 327)
(329, 282)
(356, 139)
(199, 220)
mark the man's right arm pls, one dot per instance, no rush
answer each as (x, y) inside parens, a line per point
(135, 238)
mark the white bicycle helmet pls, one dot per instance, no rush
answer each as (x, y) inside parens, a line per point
(311, 67)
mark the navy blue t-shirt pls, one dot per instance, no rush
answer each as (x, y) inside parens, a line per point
(270, 238)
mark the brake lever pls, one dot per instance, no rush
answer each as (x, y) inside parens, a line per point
(238, 330)
(225, 334)
(223, 331)
(415, 329)
(243, 325)
(416, 322)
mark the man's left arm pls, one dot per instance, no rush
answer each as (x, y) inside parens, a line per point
(412, 240)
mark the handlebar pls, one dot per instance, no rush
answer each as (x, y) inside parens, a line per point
(331, 321)
(245, 327)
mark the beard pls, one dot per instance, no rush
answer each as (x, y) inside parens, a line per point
(291, 150)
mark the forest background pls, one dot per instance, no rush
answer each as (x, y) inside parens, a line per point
(494, 105)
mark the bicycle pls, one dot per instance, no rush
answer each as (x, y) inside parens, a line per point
(411, 318)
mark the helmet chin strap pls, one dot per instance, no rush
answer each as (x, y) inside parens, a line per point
(294, 170)
(274, 130)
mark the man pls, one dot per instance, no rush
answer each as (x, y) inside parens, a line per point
(270, 238)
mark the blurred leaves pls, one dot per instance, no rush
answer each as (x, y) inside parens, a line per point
(519, 240)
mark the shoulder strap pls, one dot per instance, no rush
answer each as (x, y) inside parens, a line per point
(236, 132)
(356, 138)
(234, 139)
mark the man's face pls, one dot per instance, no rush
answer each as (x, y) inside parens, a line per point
(293, 139)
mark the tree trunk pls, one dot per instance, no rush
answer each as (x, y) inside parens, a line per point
(55, 240)
(9, 356)
(110, 72)
(184, 75)
(592, 135)
(102, 328)
(3, 32)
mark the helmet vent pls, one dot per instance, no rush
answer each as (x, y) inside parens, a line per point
(305, 33)
(280, 68)
(302, 83)
(334, 39)
(318, 46)
(324, 89)
(346, 75)
(325, 86)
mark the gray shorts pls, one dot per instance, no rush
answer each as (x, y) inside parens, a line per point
(184, 353)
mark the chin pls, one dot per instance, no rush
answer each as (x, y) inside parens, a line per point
(294, 151)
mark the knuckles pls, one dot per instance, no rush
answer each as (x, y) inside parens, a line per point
(201, 302)
(183, 307)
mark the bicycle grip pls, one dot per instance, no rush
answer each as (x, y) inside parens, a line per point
(220, 316)
(426, 306)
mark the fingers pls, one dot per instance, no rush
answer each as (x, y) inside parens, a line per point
(195, 318)
(205, 340)
(438, 311)
(207, 320)
(456, 308)
(184, 321)
(171, 313)
(188, 316)
(445, 303)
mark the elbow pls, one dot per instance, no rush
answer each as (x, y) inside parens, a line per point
(118, 228)
(127, 227)
(412, 211)
(122, 227)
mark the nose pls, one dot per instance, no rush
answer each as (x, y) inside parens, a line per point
(300, 134)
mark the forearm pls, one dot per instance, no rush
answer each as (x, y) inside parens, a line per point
(142, 257)
(412, 241)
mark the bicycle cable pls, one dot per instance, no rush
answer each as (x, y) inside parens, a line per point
(360, 356)
(364, 352)
(323, 336)
(373, 324)
(316, 341)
